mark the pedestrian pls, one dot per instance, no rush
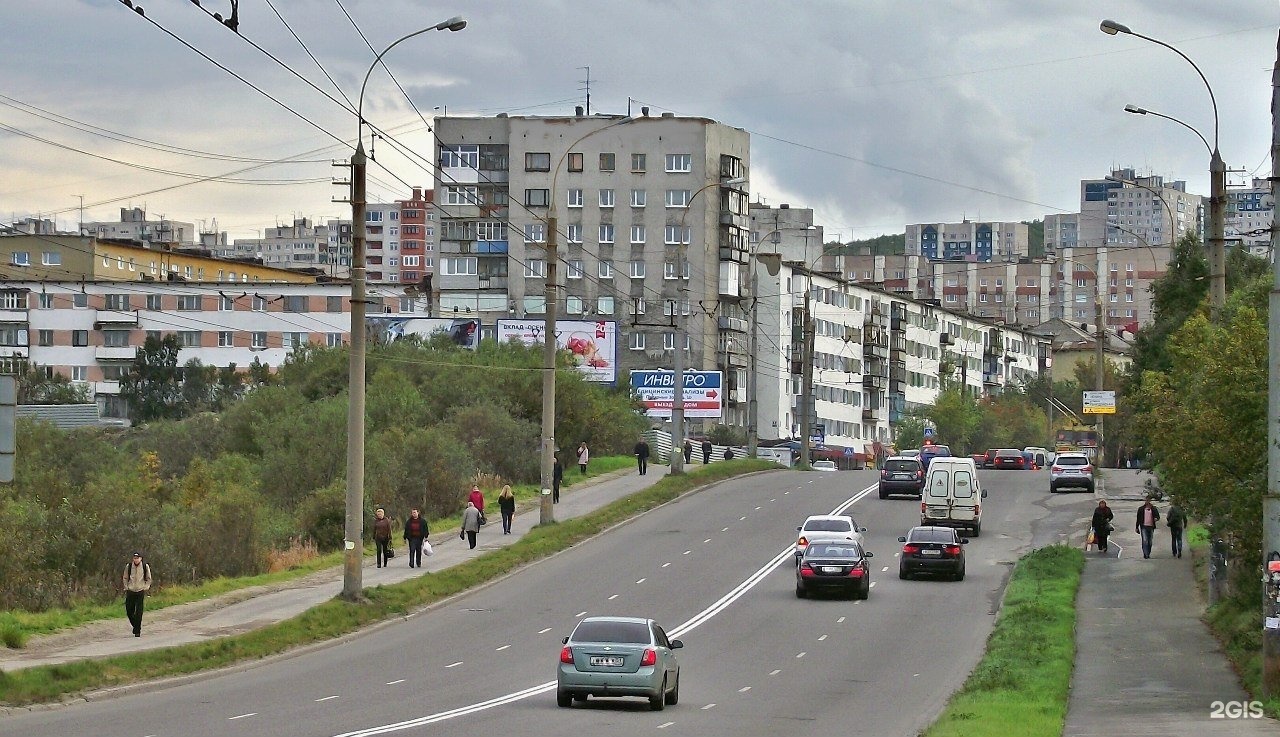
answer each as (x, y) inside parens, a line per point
(507, 506)
(728, 454)
(415, 533)
(642, 456)
(584, 455)
(137, 581)
(557, 475)
(1148, 516)
(476, 497)
(381, 536)
(706, 451)
(1176, 519)
(471, 524)
(1101, 524)
(688, 452)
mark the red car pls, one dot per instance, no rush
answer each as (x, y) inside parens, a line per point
(1010, 458)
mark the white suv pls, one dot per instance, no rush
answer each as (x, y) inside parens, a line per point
(1071, 469)
(827, 527)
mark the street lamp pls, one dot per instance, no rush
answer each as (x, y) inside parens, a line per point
(354, 529)
(1217, 172)
(677, 360)
(546, 512)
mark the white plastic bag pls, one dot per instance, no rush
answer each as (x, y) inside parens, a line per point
(427, 549)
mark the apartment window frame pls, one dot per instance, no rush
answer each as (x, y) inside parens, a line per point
(535, 268)
(679, 163)
(573, 162)
(678, 198)
(573, 198)
(605, 268)
(537, 161)
(639, 197)
(607, 233)
(636, 269)
(606, 198)
(639, 162)
(638, 233)
(574, 269)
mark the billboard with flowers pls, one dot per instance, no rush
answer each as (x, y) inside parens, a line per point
(592, 343)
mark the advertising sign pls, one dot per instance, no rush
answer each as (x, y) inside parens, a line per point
(389, 328)
(593, 343)
(1100, 403)
(703, 395)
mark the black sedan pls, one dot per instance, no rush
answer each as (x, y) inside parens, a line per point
(837, 565)
(932, 550)
(1010, 458)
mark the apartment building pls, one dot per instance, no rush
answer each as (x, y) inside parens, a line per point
(1124, 209)
(1061, 230)
(400, 239)
(1249, 217)
(968, 241)
(302, 245)
(135, 226)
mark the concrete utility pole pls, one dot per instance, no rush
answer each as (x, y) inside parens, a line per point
(546, 513)
(753, 383)
(1217, 230)
(353, 548)
(1099, 359)
(1271, 502)
(807, 405)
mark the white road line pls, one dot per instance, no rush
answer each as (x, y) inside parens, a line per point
(820, 639)
(786, 492)
(242, 716)
(744, 689)
(775, 671)
(544, 631)
(724, 529)
(758, 509)
(686, 552)
(872, 585)
(840, 620)
(579, 614)
(326, 698)
(708, 706)
(664, 565)
(504, 647)
(398, 680)
(801, 655)
(452, 665)
(664, 725)
(741, 519)
(773, 500)
(642, 580)
(882, 570)
(611, 598)
(706, 541)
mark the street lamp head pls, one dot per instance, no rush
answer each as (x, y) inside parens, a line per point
(734, 182)
(456, 23)
(1111, 28)
(1136, 110)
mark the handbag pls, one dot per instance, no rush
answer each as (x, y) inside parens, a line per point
(483, 520)
(427, 549)
(462, 534)
(391, 552)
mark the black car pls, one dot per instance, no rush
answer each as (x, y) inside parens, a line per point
(834, 565)
(932, 550)
(902, 475)
(1010, 458)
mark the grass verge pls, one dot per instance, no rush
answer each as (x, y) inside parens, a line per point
(338, 617)
(16, 627)
(1021, 685)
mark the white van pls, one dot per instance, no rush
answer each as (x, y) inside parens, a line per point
(953, 495)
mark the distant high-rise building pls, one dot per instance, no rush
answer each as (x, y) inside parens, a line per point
(968, 241)
(1249, 217)
(1061, 230)
(1124, 209)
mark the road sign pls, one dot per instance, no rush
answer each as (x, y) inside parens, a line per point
(703, 393)
(1100, 403)
(928, 432)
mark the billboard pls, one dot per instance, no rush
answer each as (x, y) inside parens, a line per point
(592, 343)
(389, 328)
(703, 395)
(1099, 403)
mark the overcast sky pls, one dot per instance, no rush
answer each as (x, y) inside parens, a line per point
(873, 113)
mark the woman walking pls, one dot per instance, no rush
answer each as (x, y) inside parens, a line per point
(584, 455)
(381, 535)
(507, 505)
(1101, 524)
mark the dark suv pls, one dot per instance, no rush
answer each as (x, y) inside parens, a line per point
(902, 475)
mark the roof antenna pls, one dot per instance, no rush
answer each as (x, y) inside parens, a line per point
(587, 86)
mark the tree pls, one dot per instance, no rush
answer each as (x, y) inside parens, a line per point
(153, 385)
(955, 415)
(1175, 296)
(198, 386)
(39, 385)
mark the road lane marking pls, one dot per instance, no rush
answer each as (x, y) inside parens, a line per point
(398, 680)
(451, 665)
(242, 716)
(724, 529)
(820, 639)
(708, 706)
(664, 725)
(504, 647)
(544, 631)
(664, 565)
(840, 620)
(326, 698)
(707, 540)
(744, 689)
(757, 509)
(872, 586)
(686, 552)
(579, 614)
(740, 519)
(775, 671)
(611, 598)
(800, 655)
(786, 492)
(642, 580)
(773, 500)
(886, 568)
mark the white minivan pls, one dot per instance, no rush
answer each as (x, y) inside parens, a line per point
(953, 495)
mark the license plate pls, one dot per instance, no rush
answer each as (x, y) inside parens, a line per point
(931, 552)
(831, 569)
(606, 661)
(901, 476)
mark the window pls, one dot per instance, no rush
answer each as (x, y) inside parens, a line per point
(535, 305)
(1128, 298)
(637, 234)
(536, 197)
(637, 269)
(293, 340)
(79, 338)
(459, 266)
(607, 161)
(999, 297)
(606, 198)
(573, 233)
(407, 305)
(606, 232)
(411, 260)
(189, 302)
(636, 341)
(679, 163)
(575, 162)
(79, 373)
(114, 373)
(154, 335)
(677, 198)
(604, 305)
(573, 305)
(952, 298)
(537, 161)
(668, 341)
(1128, 282)
(638, 163)
(675, 235)
(982, 297)
(669, 309)
(638, 198)
(44, 337)
(295, 303)
(333, 340)
(535, 268)
(606, 269)
(225, 303)
(461, 157)
(259, 303)
(535, 233)
(80, 300)
(669, 270)
(51, 258)
(46, 301)
(333, 304)
(460, 196)
(1114, 297)
(21, 258)
(1082, 282)
(189, 338)
(575, 198)
(117, 302)
(115, 338)
(575, 268)
(258, 340)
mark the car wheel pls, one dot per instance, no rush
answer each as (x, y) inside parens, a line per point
(1053, 490)
(800, 592)
(884, 495)
(960, 576)
(563, 698)
(977, 530)
(658, 701)
(1089, 488)
(673, 696)
(902, 574)
(866, 590)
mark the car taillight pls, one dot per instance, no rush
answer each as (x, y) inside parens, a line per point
(807, 570)
(923, 507)
(952, 549)
(1087, 469)
(856, 572)
(910, 549)
(650, 657)
(566, 655)
(920, 474)
(977, 510)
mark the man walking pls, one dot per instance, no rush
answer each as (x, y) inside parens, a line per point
(557, 476)
(1148, 516)
(688, 452)
(137, 580)
(642, 456)
(415, 532)
(706, 451)
(1176, 519)
(471, 524)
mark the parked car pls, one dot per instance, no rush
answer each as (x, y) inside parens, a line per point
(619, 656)
(824, 466)
(837, 527)
(901, 475)
(953, 495)
(1010, 459)
(1071, 470)
(932, 550)
(834, 565)
(929, 452)
(989, 458)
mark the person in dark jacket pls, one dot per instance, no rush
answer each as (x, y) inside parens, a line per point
(1101, 524)
(381, 535)
(471, 524)
(688, 452)
(728, 454)
(507, 506)
(642, 456)
(706, 452)
(415, 532)
(1176, 519)
(557, 476)
(1148, 516)
(137, 581)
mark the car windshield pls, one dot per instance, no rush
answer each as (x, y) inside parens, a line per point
(828, 525)
(936, 450)
(901, 466)
(832, 550)
(610, 631)
(931, 535)
(1009, 454)
(1072, 461)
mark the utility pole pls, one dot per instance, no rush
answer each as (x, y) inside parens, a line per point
(753, 404)
(546, 513)
(806, 384)
(353, 547)
(1217, 238)
(1099, 358)
(1271, 502)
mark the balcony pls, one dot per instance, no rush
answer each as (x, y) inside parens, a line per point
(11, 316)
(115, 353)
(114, 318)
(898, 324)
(872, 414)
(873, 381)
(731, 324)
(990, 377)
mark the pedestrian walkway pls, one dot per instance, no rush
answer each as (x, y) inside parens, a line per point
(1145, 662)
(259, 606)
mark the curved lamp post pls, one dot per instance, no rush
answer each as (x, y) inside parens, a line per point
(353, 546)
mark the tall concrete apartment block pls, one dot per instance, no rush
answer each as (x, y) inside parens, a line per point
(629, 193)
(1061, 230)
(1128, 210)
(1249, 217)
(968, 241)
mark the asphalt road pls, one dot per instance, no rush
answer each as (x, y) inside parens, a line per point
(713, 568)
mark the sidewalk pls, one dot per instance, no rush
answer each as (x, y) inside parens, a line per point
(1145, 663)
(259, 606)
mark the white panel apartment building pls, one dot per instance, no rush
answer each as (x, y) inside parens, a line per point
(1127, 210)
(1249, 217)
(133, 225)
(968, 241)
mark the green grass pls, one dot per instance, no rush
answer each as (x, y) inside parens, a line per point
(1021, 685)
(337, 617)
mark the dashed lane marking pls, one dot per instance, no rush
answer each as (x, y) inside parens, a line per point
(664, 725)
(580, 614)
(840, 620)
(611, 598)
(642, 580)
(544, 631)
(775, 671)
(326, 698)
(744, 689)
(882, 570)
(724, 529)
(454, 665)
(243, 716)
(820, 639)
(398, 680)
(664, 565)
(708, 706)
(686, 552)
(801, 655)
(758, 509)
(500, 649)
(741, 519)
(706, 541)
